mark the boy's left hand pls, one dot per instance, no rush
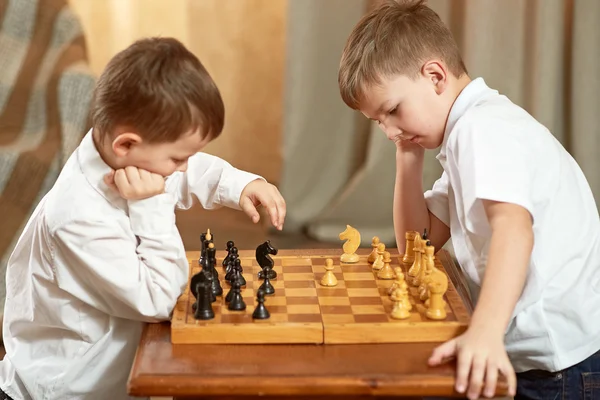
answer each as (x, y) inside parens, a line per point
(259, 192)
(480, 356)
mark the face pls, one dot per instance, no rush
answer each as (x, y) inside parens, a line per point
(408, 109)
(160, 158)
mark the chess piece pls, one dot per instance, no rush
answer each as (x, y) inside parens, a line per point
(409, 252)
(329, 278)
(203, 309)
(415, 270)
(402, 306)
(352, 237)
(266, 286)
(427, 266)
(373, 256)
(237, 266)
(263, 258)
(260, 312)
(398, 279)
(211, 261)
(438, 285)
(230, 246)
(386, 272)
(236, 303)
(378, 263)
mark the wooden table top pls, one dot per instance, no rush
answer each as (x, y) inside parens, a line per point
(163, 369)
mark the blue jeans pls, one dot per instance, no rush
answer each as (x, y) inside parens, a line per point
(579, 382)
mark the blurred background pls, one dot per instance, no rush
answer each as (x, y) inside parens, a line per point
(276, 63)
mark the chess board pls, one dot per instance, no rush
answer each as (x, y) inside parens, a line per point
(356, 310)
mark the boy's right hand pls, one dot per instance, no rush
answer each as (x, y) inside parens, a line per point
(134, 183)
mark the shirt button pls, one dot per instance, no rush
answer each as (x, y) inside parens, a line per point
(559, 376)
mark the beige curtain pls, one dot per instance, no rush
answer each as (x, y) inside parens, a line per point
(337, 171)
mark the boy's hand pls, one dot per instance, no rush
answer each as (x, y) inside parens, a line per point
(260, 192)
(480, 356)
(135, 183)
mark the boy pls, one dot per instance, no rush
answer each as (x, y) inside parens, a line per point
(522, 218)
(101, 254)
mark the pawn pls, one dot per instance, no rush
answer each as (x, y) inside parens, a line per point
(329, 278)
(398, 279)
(373, 256)
(266, 286)
(402, 306)
(378, 263)
(230, 246)
(236, 303)
(237, 266)
(261, 312)
(386, 272)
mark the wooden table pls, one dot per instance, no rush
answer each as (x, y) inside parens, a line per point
(294, 371)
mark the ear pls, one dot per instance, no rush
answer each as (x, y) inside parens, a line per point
(436, 72)
(125, 142)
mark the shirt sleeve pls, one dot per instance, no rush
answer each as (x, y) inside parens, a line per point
(437, 199)
(495, 163)
(137, 278)
(213, 181)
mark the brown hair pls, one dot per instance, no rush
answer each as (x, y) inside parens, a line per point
(394, 38)
(160, 89)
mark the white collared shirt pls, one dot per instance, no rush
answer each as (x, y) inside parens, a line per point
(495, 150)
(90, 268)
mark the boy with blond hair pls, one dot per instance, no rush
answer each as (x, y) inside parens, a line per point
(522, 217)
(101, 254)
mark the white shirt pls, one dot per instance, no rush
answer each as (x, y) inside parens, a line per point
(90, 268)
(495, 150)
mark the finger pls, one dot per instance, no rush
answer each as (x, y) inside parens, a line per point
(109, 178)
(248, 207)
(443, 353)
(511, 378)
(491, 377)
(145, 176)
(477, 374)
(121, 182)
(133, 175)
(281, 211)
(463, 368)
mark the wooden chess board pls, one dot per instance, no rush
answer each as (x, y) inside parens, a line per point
(302, 311)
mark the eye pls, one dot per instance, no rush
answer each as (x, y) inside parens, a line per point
(393, 110)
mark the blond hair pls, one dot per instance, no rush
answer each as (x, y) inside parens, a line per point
(157, 87)
(395, 38)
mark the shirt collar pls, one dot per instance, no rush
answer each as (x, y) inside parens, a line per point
(468, 97)
(94, 169)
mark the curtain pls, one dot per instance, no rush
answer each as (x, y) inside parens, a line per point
(339, 170)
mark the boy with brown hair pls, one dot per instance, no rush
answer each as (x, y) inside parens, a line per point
(522, 217)
(101, 254)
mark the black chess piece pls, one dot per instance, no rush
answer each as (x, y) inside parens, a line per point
(263, 252)
(229, 271)
(230, 246)
(237, 265)
(266, 286)
(211, 261)
(202, 248)
(261, 312)
(232, 278)
(425, 236)
(203, 309)
(236, 303)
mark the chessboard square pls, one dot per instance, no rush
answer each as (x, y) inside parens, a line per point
(335, 301)
(336, 291)
(335, 309)
(275, 300)
(276, 309)
(234, 317)
(304, 318)
(362, 284)
(341, 285)
(338, 318)
(296, 262)
(277, 283)
(371, 318)
(361, 292)
(359, 276)
(357, 269)
(319, 275)
(303, 309)
(301, 292)
(302, 300)
(277, 317)
(368, 309)
(366, 301)
(294, 278)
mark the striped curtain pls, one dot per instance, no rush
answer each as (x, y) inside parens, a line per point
(45, 91)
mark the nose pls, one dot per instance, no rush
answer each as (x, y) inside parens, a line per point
(390, 131)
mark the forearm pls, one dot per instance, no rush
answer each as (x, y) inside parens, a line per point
(410, 210)
(506, 270)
